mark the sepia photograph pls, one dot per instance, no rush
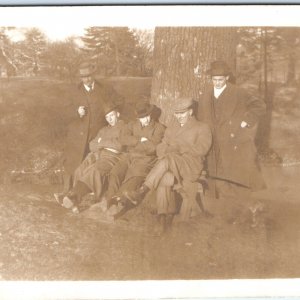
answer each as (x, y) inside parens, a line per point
(149, 144)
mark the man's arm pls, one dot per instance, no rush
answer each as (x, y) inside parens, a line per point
(256, 108)
(149, 143)
(202, 143)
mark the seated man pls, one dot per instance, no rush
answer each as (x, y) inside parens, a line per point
(180, 160)
(141, 138)
(93, 172)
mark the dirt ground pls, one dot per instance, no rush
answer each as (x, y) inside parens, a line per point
(40, 240)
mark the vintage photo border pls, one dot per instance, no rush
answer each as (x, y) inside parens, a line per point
(158, 16)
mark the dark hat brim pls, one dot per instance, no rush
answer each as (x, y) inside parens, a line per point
(217, 72)
(145, 113)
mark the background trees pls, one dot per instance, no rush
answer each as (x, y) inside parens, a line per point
(182, 55)
(116, 51)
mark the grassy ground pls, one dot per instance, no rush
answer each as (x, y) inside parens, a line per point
(39, 240)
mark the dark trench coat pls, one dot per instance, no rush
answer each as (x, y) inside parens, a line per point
(233, 155)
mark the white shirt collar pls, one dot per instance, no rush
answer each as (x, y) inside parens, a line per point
(218, 92)
(88, 88)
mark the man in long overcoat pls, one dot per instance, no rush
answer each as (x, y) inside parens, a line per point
(232, 115)
(181, 156)
(87, 117)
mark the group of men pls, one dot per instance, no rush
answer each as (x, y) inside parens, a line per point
(120, 163)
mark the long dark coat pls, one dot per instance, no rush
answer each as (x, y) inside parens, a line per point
(82, 130)
(233, 155)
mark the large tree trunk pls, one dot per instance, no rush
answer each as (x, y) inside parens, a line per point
(182, 55)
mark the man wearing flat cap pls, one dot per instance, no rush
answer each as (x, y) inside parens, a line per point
(87, 117)
(141, 138)
(232, 115)
(180, 162)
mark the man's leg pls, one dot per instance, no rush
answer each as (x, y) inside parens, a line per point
(165, 202)
(151, 182)
(189, 206)
(116, 178)
(156, 174)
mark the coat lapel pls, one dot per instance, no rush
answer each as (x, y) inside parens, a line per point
(228, 103)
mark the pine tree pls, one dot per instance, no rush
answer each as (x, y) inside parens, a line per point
(114, 49)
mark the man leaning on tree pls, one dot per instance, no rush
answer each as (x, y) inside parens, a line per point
(232, 115)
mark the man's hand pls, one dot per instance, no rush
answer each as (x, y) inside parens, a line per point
(244, 124)
(143, 139)
(99, 140)
(81, 111)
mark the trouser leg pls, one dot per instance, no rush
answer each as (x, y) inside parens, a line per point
(80, 189)
(189, 206)
(154, 177)
(165, 197)
(116, 178)
(132, 184)
(68, 182)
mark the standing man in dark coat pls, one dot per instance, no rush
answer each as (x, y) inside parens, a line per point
(232, 115)
(87, 118)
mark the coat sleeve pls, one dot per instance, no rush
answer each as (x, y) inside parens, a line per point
(255, 107)
(149, 147)
(126, 137)
(201, 145)
(94, 145)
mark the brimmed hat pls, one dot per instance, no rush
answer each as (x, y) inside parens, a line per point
(218, 68)
(183, 104)
(109, 107)
(86, 69)
(143, 109)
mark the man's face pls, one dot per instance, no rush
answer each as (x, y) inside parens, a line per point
(219, 81)
(183, 117)
(87, 80)
(112, 118)
(145, 121)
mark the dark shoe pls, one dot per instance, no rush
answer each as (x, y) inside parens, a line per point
(113, 201)
(136, 197)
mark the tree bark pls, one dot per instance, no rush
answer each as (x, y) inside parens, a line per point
(182, 55)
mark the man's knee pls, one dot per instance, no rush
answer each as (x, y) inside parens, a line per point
(168, 179)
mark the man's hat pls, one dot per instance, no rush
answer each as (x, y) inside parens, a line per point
(109, 107)
(218, 68)
(86, 69)
(143, 109)
(183, 104)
